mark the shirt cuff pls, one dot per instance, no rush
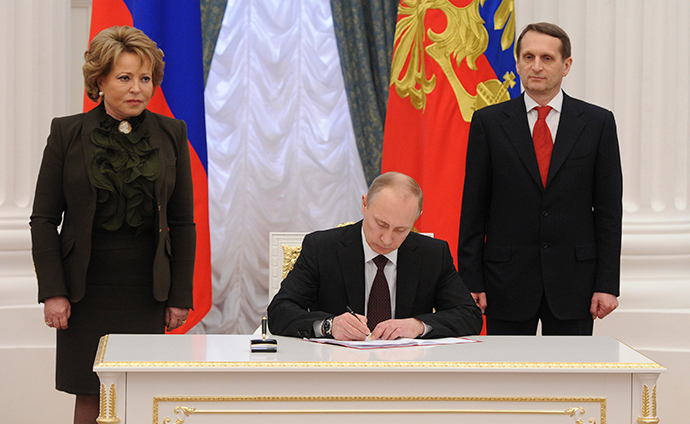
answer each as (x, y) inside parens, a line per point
(317, 328)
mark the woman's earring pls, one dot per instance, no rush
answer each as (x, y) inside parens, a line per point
(100, 94)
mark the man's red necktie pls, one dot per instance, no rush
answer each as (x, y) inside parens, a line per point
(543, 142)
(379, 306)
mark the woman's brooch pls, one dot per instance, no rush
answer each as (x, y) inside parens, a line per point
(124, 127)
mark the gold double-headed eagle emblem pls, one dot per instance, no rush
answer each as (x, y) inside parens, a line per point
(464, 38)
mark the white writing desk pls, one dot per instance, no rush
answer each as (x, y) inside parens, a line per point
(216, 379)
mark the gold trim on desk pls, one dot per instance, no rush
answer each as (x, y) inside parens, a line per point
(382, 364)
(100, 353)
(187, 411)
(640, 353)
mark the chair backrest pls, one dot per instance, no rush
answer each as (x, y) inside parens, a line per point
(284, 251)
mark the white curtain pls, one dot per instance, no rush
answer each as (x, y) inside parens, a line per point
(282, 153)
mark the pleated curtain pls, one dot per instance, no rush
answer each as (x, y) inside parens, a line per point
(281, 145)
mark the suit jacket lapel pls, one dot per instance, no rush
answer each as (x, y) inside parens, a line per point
(91, 122)
(155, 142)
(570, 126)
(351, 260)
(409, 267)
(518, 132)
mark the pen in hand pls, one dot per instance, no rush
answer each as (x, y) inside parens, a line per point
(355, 315)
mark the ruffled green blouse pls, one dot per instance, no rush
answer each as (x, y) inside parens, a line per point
(123, 169)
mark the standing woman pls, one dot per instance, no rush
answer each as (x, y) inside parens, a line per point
(118, 181)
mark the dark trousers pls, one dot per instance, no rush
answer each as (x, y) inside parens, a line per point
(550, 325)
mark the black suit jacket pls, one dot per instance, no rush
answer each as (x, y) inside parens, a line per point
(519, 239)
(329, 276)
(63, 188)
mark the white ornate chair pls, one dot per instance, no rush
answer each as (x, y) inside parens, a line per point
(284, 248)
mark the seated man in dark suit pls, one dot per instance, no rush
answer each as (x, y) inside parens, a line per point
(376, 278)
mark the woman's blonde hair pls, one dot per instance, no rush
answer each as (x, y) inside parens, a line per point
(105, 49)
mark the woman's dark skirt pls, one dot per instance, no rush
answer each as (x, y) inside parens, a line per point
(119, 299)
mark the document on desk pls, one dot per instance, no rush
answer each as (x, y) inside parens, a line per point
(379, 344)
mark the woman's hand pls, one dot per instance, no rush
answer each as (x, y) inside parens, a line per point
(56, 312)
(175, 317)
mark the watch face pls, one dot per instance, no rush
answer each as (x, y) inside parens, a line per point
(328, 326)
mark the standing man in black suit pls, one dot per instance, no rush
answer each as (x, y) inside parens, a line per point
(342, 269)
(540, 232)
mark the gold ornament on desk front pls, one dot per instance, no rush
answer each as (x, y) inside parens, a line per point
(107, 411)
(648, 407)
(571, 412)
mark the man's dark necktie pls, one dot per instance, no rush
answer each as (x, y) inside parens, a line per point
(379, 307)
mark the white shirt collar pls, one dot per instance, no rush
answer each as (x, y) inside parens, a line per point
(556, 103)
(369, 254)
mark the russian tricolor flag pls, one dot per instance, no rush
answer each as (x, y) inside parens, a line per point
(175, 25)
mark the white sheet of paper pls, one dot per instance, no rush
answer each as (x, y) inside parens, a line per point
(377, 344)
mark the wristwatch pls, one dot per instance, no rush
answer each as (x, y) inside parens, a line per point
(327, 327)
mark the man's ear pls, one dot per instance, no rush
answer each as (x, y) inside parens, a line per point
(567, 65)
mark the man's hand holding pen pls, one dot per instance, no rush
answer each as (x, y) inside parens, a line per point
(350, 326)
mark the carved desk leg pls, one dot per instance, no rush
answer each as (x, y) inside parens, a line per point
(644, 398)
(112, 384)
